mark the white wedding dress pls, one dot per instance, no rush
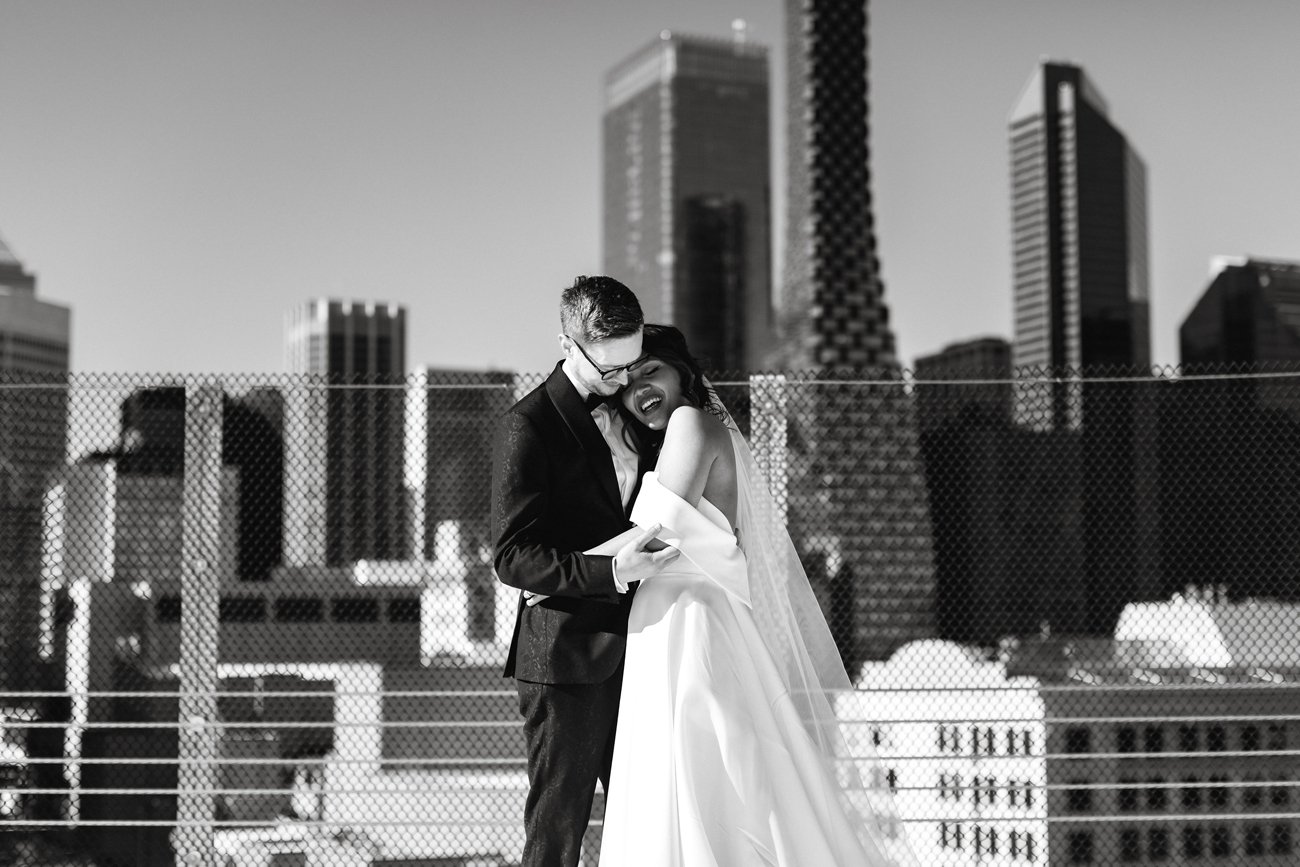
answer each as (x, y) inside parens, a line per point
(713, 763)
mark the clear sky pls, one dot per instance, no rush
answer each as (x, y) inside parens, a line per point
(182, 173)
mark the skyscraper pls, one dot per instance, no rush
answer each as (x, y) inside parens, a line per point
(833, 305)
(1079, 241)
(1079, 246)
(1228, 462)
(1250, 313)
(344, 434)
(687, 191)
(858, 507)
(34, 341)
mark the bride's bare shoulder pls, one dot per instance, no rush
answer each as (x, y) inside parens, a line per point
(692, 424)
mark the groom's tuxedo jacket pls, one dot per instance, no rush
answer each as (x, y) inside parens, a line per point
(554, 495)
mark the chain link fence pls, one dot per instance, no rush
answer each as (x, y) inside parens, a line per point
(251, 620)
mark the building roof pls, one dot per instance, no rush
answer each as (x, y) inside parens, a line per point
(7, 256)
(1030, 102)
(1213, 634)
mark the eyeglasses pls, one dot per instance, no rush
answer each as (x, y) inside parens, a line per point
(608, 373)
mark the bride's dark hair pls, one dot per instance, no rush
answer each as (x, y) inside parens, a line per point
(667, 344)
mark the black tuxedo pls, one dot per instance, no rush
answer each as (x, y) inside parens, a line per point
(554, 495)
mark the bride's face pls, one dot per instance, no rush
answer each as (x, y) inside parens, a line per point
(653, 391)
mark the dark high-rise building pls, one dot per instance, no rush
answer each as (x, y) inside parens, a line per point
(152, 443)
(984, 364)
(687, 195)
(1079, 243)
(1008, 553)
(344, 434)
(1230, 478)
(34, 341)
(833, 306)
(858, 508)
(1249, 314)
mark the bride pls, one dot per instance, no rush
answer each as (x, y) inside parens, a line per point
(727, 751)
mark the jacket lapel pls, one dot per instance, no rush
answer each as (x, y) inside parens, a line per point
(579, 421)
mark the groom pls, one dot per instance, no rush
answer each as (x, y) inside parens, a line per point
(562, 481)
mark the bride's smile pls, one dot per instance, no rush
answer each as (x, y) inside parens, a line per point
(652, 393)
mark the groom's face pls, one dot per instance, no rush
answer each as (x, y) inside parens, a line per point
(592, 361)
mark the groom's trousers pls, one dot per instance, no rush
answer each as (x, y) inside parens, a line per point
(569, 734)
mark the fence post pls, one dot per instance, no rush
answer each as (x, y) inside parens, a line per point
(200, 604)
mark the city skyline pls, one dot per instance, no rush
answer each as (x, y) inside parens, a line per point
(243, 159)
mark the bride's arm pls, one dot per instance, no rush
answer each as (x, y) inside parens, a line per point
(688, 453)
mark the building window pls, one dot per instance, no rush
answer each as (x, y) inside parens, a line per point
(1281, 795)
(1078, 740)
(1153, 739)
(1078, 800)
(1079, 847)
(1191, 793)
(1130, 845)
(1126, 739)
(1193, 843)
(299, 609)
(1216, 740)
(168, 609)
(1281, 840)
(1252, 796)
(404, 609)
(1250, 740)
(1029, 847)
(1189, 739)
(354, 609)
(242, 609)
(1127, 795)
(943, 835)
(1218, 793)
(1158, 844)
(1277, 737)
(1220, 841)
(1015, 844)
(1157, 795)
(1255, 840)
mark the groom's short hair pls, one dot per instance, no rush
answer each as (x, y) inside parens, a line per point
(598, 308)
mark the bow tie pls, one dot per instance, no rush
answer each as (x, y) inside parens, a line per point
(595, 400)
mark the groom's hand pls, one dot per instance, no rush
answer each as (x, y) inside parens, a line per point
(642, 557)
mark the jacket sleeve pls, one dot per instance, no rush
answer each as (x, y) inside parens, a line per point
(525, 556)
